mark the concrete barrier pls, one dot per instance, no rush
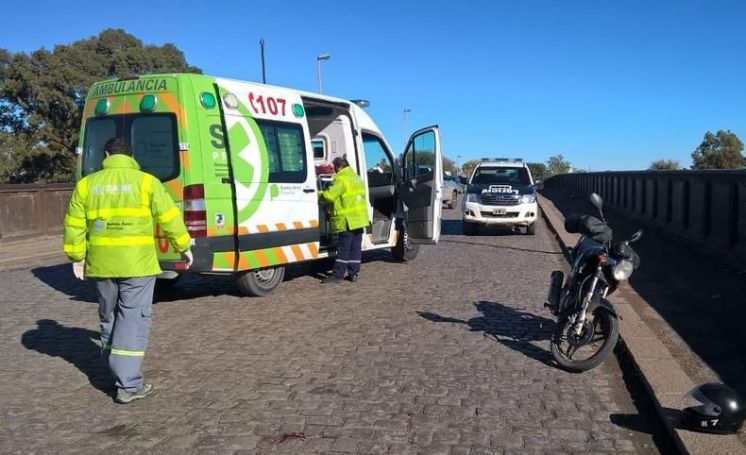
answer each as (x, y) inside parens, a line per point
(707, 208)
(28, 211)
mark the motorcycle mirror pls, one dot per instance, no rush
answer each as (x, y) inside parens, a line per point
(598, 203)
(636, 236)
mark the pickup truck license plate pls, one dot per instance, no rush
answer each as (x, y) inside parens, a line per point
(498, 211)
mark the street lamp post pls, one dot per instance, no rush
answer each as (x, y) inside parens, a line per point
(318, 67)
(406, 111)
(458, 169)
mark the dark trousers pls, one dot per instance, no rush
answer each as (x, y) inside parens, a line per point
(349, 253)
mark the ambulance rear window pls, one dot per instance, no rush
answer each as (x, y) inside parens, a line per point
(287, 151)
(151, 136)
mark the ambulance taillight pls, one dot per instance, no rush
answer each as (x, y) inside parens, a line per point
(195, 213)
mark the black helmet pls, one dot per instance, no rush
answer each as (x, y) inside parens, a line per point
(712, 408)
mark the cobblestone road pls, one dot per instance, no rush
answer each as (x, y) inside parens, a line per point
(447, 354)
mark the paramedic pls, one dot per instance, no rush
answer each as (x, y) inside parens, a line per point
(349, 218)
(109, 237)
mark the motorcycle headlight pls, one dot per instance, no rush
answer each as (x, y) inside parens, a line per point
(623, 270)
(472, 197)
(528, 199)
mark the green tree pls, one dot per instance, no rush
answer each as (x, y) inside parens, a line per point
(664, 165)
(468, 167)
(42, 96)
(538, 170)
(557, 164)
(719, 151)
(450, 166)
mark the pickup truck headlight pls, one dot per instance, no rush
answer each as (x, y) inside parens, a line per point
(528, 199)
(472, 197)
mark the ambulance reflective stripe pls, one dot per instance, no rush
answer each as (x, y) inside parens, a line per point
(140, 212)
(121, 241)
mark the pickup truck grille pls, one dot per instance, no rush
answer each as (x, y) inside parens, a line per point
(502, 215)
(500, 199)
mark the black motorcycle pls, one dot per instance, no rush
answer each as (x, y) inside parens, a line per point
(587, 326)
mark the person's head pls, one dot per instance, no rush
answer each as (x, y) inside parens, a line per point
(340, 163)
(117, 146)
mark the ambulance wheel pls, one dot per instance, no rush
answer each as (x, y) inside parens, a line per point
(404, 249)
(258, 283)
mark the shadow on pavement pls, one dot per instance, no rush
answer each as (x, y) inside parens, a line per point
(514, 328)
(60, 278)
(698, 295)
(73, 344)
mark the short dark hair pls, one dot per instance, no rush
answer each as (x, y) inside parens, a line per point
(118, 146)
(340, 162)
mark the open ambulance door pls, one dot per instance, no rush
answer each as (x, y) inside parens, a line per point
(422, 187)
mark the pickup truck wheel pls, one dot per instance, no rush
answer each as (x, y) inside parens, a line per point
(258, 283)
(531, 229)
(404, 249)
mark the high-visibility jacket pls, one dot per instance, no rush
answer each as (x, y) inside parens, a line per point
(109, 221)
(347, 194)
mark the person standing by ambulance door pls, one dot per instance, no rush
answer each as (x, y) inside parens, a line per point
(349, 218)
(109, 237)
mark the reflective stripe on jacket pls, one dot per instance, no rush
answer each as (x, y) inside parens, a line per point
(347, 194)
(109, 221)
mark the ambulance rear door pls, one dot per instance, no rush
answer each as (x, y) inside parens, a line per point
(422, 188)
(271, 163)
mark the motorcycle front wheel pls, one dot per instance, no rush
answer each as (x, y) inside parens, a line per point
(578, 353)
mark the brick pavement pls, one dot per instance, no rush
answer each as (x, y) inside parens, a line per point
(447, 354)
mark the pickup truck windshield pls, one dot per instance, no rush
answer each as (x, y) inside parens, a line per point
(500, 176)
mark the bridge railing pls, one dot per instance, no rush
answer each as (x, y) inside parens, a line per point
(704, 207)
(28, 211)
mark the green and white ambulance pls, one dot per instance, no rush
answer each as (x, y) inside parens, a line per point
(244, 161)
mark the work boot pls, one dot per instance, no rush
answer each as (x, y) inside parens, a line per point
(331, 279)
(125, 397)
(352, 278)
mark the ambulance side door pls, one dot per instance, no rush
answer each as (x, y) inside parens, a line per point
(422, 187)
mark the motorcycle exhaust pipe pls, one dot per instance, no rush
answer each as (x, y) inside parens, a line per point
(556, 280)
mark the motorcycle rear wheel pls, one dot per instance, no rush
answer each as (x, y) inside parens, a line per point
(598, 338)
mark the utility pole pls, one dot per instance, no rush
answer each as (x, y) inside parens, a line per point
(264, 73)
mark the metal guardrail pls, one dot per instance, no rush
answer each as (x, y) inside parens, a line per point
(707, 208)
(28, 211)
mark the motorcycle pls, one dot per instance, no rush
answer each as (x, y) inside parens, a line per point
(587, 327)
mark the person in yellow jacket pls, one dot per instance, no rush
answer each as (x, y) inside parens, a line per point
(349, 218)
(109, 237)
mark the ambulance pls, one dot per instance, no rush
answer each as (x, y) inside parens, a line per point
(244, 162)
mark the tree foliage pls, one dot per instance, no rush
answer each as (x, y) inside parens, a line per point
(42, 96)
(721, 150)
(468, 167)
(538, 170)
(664, 165)
(557, 164)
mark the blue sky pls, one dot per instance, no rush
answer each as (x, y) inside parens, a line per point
(609, 84)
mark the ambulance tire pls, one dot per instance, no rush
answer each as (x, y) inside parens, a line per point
(404, 250)
(258, 283)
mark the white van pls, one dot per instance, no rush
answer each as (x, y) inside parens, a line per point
(245, 162)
